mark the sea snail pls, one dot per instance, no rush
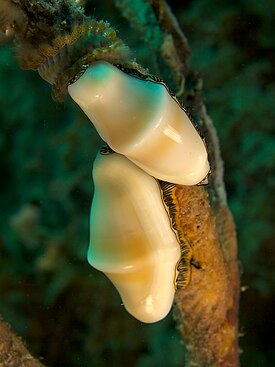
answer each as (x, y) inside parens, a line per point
(131, 239)
(135, 239)
(139, 119)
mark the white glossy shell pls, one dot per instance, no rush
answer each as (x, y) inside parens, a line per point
(139, 119)
(131, 238)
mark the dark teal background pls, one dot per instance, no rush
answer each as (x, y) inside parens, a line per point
(69, 313)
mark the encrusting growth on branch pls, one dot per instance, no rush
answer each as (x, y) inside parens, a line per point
(54, 36)
(206, 309)
(56, 39)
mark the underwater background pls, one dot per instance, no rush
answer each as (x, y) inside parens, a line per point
(67, 312)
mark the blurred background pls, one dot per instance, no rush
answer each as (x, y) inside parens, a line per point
(68, 313)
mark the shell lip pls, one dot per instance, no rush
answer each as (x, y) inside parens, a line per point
(186, 180)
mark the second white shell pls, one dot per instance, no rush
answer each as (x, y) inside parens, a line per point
(131, 238)
(139, 119)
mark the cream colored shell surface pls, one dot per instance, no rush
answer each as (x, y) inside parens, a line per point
(139, 119)
(131, 239)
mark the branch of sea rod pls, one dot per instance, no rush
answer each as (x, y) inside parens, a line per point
(179, 63)
(164, 40)
(13, 351)
(175, 49)
(207, 310)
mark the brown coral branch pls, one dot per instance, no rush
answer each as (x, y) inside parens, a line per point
(175, 48)
(13, 352)
(207, 310)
